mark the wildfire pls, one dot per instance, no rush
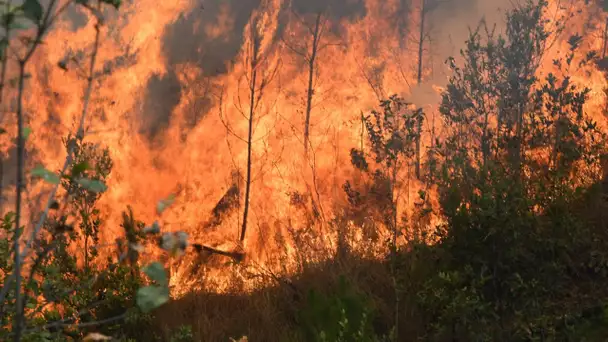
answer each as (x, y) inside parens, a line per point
(172, 103)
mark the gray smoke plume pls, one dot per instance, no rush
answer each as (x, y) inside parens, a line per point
(448, 27)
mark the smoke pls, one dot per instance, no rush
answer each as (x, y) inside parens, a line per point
(162, 96)
(336, 9)
(451, 22)
(211, 37)
(449, 27)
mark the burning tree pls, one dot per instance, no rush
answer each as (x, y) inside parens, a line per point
(497, 108)
(425, 7)
(392, 136)
(258, 77)
(520, 149)
(309, 50)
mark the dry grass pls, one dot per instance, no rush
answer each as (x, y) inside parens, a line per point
(271, 313)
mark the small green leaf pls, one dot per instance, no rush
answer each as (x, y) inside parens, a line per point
(46, 175)
(9, 217)
(17, 25)
(164, 204)
(151, 297)
(92, 185)
(26, 132)
(156, 272)
(79, 168)
(32, 10)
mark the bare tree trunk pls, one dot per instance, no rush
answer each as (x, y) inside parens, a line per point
(419, 79)
(309, 54)
(252, 104)
(421, 39)
(431, 157)
(311, 74)
(18, 189)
